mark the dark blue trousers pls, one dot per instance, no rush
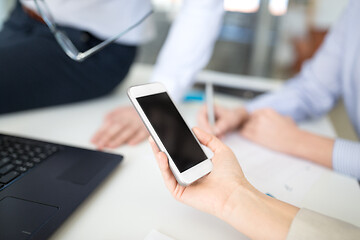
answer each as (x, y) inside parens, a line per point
(35, 72)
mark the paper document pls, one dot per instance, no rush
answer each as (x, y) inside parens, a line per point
(282, 176)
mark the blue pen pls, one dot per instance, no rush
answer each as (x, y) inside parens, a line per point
(270, 195)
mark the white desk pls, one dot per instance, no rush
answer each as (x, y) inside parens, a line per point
(134, 200)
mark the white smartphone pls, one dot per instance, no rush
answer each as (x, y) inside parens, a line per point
(187, 158)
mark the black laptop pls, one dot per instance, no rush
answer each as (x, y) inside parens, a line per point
(42, 183)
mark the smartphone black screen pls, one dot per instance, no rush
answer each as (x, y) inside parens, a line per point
(172, 130)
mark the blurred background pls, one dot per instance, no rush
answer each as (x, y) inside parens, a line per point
(267, 38)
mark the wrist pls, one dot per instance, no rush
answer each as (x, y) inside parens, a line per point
(295, 142)
(242, 115)
(307, 146)
(240, 197)
(257, 215)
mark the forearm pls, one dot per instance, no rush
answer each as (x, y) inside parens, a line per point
(312, 147)
(341, 155)
(257, 215)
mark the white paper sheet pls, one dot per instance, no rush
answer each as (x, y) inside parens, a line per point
(284, 177)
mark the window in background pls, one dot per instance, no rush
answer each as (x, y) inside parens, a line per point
(245, 6)
(278, 7)
(258, 36)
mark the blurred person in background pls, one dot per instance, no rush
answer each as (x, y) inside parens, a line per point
(186, 51)
(269, 120)
(36, 72)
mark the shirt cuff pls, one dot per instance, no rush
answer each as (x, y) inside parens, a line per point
(311, 225)
(346, 157)
(256, 104)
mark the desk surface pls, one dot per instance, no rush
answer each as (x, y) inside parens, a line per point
(133, 200)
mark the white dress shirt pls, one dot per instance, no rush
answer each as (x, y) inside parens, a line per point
(189, 45)
(186, 51)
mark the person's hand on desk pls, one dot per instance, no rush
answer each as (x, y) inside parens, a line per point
(227, 120)
(268, 128)
(121, 126)
(227, 194)
(272, 130)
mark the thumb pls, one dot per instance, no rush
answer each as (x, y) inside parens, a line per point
(208, 140)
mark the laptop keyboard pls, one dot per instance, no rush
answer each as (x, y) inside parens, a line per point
(18, 156)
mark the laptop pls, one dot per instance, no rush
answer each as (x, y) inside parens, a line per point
(42, 183)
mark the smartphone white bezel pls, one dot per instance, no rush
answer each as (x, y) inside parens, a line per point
(192, 174)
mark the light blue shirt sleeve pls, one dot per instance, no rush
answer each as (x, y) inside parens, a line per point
(316, 90)
(346, 157)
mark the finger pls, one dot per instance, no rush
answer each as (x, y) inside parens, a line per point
(218, 110)
(202, 113)
(109, 133)
(208, 140)
(254, 118)
(162, 161)
(222, 127)
(248, 131)
(203, 109)
(204, 124)
(153, 145)
(113, 113)
(121, 137)
(138, 137)
(104, 134)
(169, 179)
(100, 132)
(203, 120)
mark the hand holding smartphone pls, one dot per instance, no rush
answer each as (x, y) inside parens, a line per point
(187, 158)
